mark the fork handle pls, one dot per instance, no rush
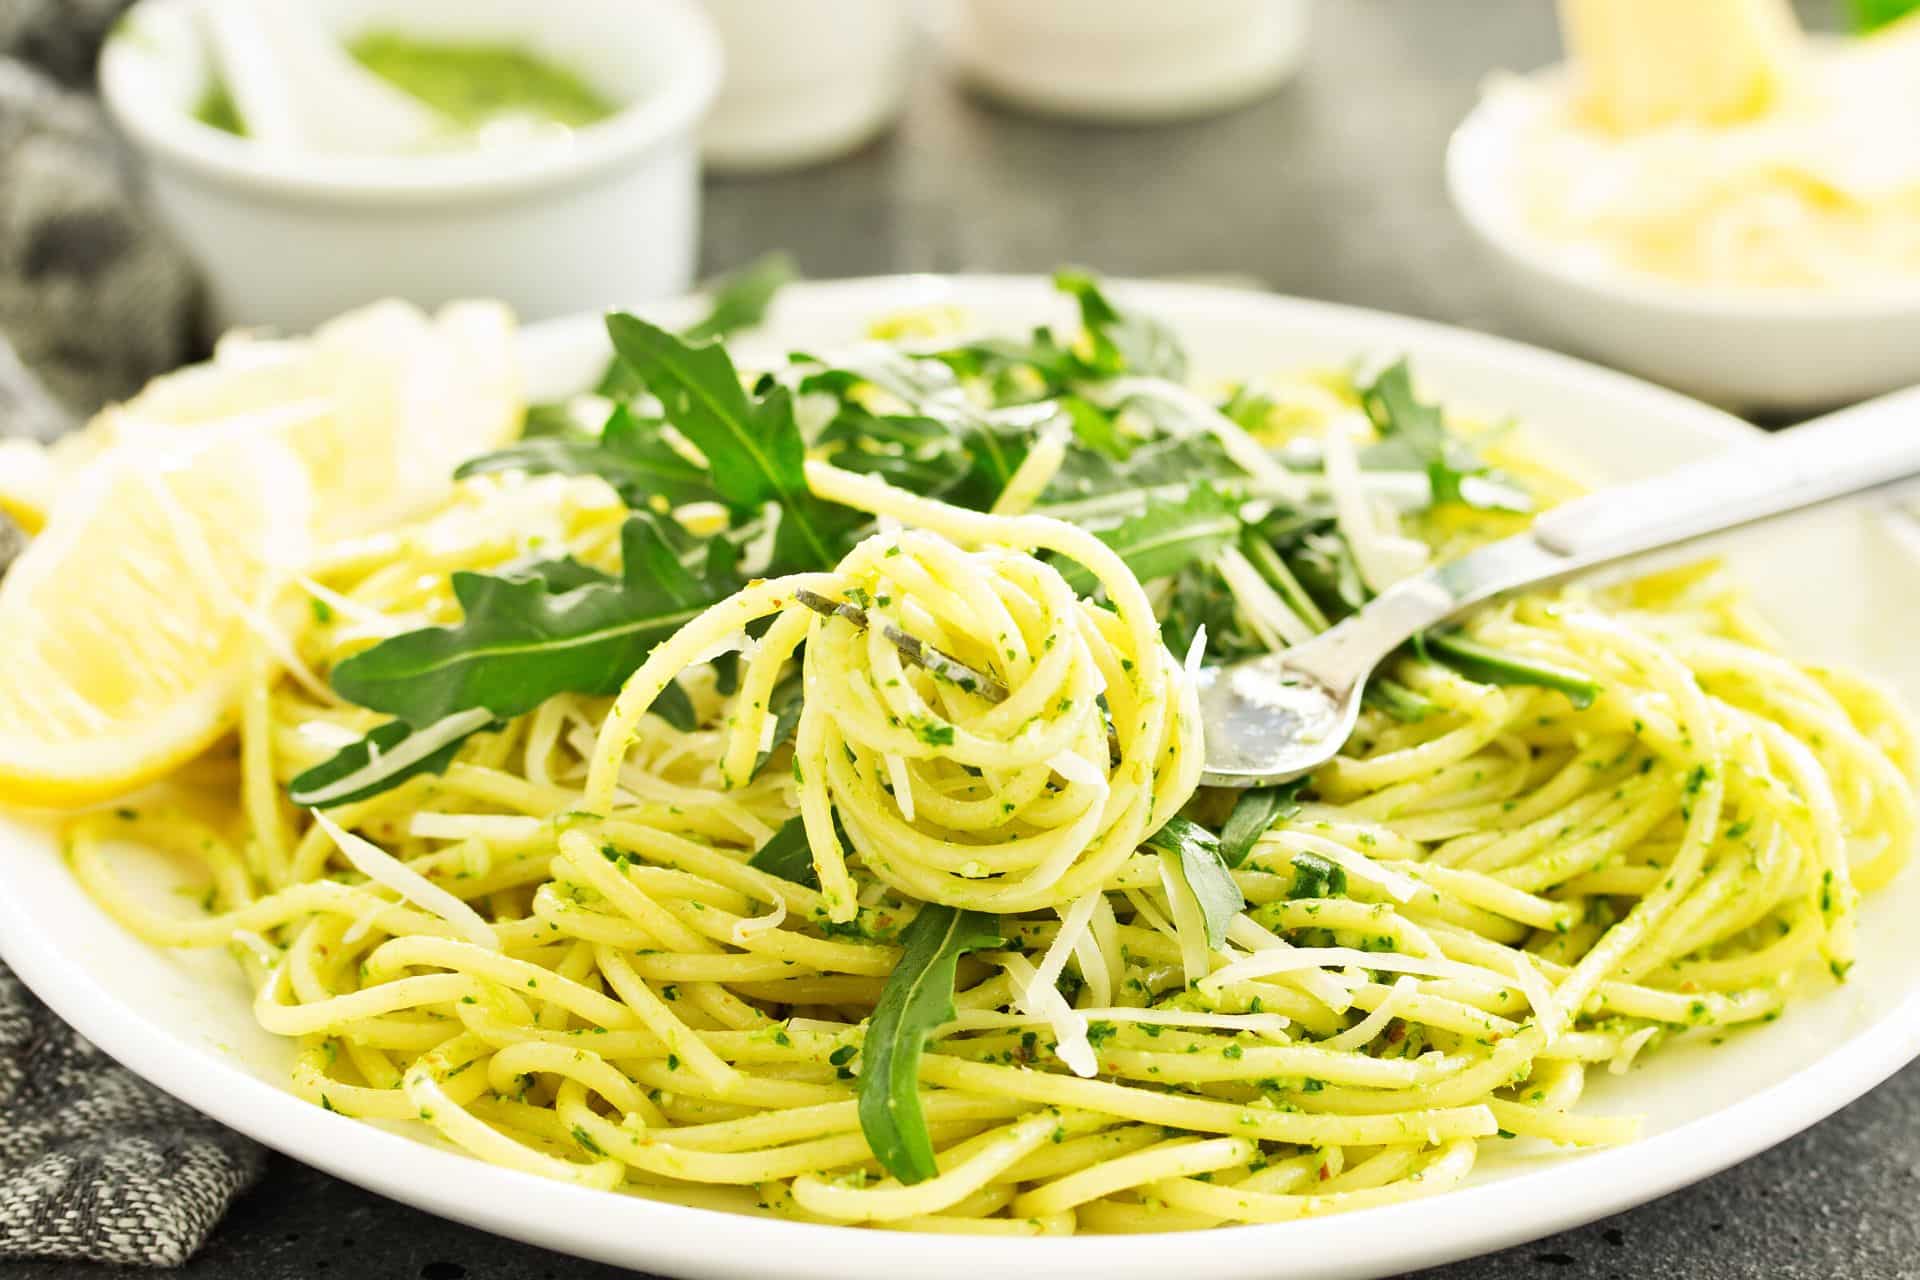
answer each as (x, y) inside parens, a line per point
(1845, 453)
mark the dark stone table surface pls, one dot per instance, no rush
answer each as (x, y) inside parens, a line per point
(1330, 189)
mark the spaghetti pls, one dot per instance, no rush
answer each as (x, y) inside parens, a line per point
(573, 953)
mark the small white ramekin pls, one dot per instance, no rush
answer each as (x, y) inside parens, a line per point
(609, 215)
(1124, 61)
(807, 80)
(1754, 351)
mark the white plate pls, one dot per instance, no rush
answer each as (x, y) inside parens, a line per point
(1835, 580)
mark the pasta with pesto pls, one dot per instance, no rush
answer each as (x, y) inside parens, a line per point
(787, 800)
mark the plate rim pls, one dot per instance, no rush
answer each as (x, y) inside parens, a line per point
(684, 1241)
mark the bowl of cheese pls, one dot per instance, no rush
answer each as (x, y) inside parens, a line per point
(1707, 197)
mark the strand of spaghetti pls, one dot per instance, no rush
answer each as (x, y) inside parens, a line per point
(1176, 1158)
(1232, 1204)
(457, 1125)
(966, 1169)
(667, 660)
(1149, 1107)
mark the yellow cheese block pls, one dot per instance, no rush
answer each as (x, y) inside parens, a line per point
(1641, 64)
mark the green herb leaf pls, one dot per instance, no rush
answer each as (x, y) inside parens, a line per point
(785, 701)
(1485, 664)
(753, 448)
(1168, 536)
(676, 708)
(1123, 341)
(917, 998)
(944, 447)
(741, 298)
(1254, 814)
(1324, 565)
(1398, 701)
(1317, 877)
(786, 854)
(320, 786)
(1415, 435)
(1205, 871)
(521, 643)
(629, 455)
(909, 451)
(739, 301)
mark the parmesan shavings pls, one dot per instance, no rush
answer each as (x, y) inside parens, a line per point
(1383, 558)
(1630, 1047)
(415, 746)
(1275, 961)
(902, 784)
(383, 868)
(1362, 1032)
(1038, 995)
(745, 931)
(1278, 626)
(501, 827)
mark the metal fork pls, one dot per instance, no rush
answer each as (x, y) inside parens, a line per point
(1275, 717)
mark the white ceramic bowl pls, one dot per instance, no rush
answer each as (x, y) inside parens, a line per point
(1832, 578)
(1774, 353)
(608, 214)
(1124, 61)
(807, 80)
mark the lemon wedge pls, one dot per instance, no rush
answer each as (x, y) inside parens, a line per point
(126, 624)
(1646, 63)
(380, 405)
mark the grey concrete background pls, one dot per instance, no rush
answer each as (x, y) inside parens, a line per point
(1330, 189)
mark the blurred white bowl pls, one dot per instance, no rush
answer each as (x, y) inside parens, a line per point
(607, 214)
(1758, 352)
(1124, 61)
(807, 80)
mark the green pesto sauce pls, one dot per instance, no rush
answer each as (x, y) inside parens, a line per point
(473, 83)
(216, 108)
(470, 84)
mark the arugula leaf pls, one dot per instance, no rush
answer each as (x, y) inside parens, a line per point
(1205, 870)
(1043, 365)
(1254, 814)
(788, 855)
(320, 786)
(1417, 431)
(521, 643)
(1167, 536)
(629, 455)
(753, 448)
(550, 420)
(1123, 341)
(741, 298)
(1485, 664)
(1198, 599)
(785, 701)
(914, 452)
(1096, 429)
(1260, 553)
(956, 452)
(917, 998)
(676, 708)
(739, 301)
(1398, 701)
(1323, 564)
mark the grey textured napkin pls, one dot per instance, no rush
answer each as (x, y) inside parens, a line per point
(94, 1163)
